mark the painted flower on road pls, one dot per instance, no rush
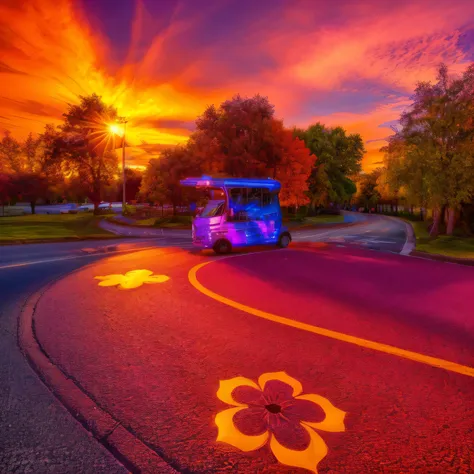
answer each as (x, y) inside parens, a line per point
(132, 279)
(275, 412)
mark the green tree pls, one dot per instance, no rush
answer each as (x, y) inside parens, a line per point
(340, 155)
(369, 188)
(433, 153)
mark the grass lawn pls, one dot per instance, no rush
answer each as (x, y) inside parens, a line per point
(322, 219)
(176, 222)
(32, 228)
(184, 222)
(450, 246)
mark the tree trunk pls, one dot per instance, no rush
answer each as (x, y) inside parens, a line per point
(451, 221)
(435, 226)
(96, 207)
(442, 217)
(33, 207)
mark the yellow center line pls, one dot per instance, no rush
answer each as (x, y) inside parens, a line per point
(376, 346)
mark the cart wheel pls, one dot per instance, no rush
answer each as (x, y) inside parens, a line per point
(284, 240)
(222, 247)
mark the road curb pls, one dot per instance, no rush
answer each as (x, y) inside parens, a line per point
(443, 258)
(127, 448)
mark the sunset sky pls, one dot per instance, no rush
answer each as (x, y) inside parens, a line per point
(160, 62)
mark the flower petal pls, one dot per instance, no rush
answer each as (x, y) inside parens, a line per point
(157, 279)
(226, 388)
(289, 434)
(334, 421)
(110, 280)
(141, 273)
(246, 395)
(303, 410)
(278, 392)
(282, 377)
(130, 283)
(251, 421)
(228, 433)
(307, 458)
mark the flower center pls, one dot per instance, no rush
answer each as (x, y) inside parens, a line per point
(273, 408)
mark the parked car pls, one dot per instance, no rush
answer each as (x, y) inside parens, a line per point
(68, 209)
(86, 207)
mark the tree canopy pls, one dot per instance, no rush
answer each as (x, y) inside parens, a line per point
(339, 157)
(432, 155)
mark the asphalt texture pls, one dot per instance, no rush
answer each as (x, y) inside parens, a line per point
(38, 435)
(367, 231)
(153, 356)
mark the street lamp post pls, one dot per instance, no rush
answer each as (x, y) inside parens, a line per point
(124, 196)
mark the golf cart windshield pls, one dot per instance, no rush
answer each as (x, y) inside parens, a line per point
(213, 208)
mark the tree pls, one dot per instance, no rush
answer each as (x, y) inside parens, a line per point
(30, 187)
(339, 154)
(153, 186)
(291, 166)
(133, 179)
(320, 189)
(161, 180)
(30, 152)
(433, 154)
(6, 190)
(86, 145)
(369, 192)
(238, 138)
(10, 154)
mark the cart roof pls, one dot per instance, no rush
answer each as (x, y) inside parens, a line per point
(208, 181)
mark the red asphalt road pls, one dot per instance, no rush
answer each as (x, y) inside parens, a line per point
(153, 356)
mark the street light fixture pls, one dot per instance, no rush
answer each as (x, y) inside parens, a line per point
(115, 129)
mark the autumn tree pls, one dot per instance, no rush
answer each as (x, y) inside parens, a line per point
(237, 138)
(291, 165)
(34, 172)
(86, 146)
(133, 179)
(30, 187)
(10, 154)
(6, 190)
(153, 187)
(161, 180)
(241, 138)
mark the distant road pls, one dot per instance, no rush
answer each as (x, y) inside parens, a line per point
(367, 231)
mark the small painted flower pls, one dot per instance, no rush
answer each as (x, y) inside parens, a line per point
(132, 279)
(274, 411)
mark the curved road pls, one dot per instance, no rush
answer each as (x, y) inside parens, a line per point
(377, 346)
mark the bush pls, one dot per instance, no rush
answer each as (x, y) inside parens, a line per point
(104, 212)
(129, 210)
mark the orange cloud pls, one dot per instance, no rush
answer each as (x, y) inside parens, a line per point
(348, 63)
